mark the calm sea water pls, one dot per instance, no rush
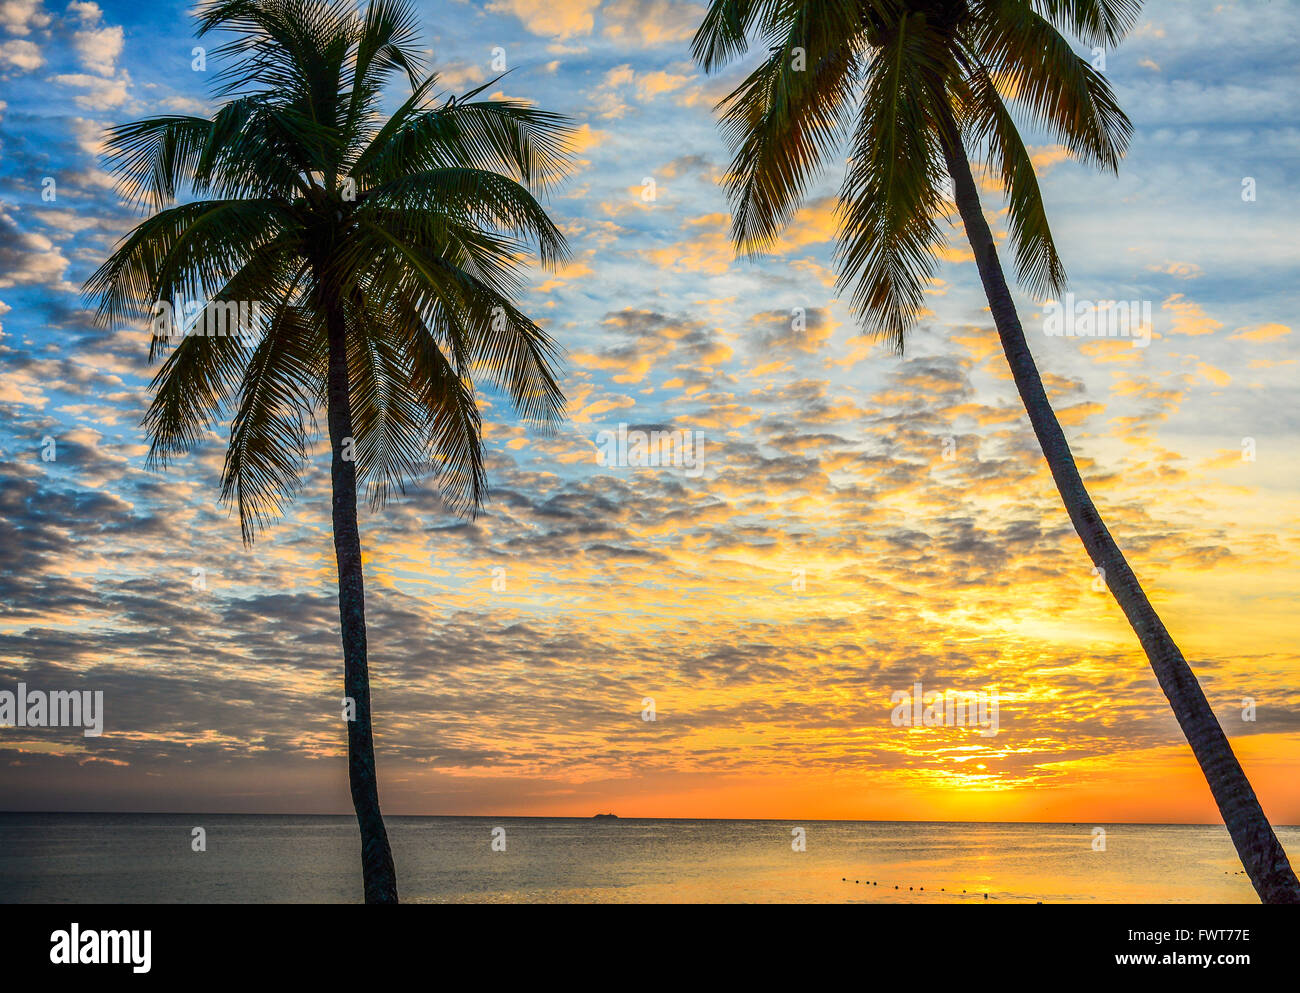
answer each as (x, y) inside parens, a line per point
(126, 858)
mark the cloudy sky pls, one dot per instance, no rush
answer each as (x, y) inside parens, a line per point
(863, 520)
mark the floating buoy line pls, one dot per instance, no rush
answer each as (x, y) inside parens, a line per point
(912, 889)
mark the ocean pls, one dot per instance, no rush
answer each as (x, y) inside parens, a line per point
(142, 858)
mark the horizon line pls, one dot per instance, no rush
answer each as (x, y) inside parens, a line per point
(621, 817)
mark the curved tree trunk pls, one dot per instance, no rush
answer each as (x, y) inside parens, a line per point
(1265, 861)
(376, 855)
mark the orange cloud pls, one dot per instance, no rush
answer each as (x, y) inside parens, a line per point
(1188, 317)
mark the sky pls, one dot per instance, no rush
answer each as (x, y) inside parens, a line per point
(860, 521)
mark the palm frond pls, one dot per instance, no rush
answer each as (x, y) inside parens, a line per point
(201, 374)
(723, 35)
(389, 423)
(891, 193)
(1094, 22)
(445, 390)
(1038, 263)
(481, 327)
(155, 157)
(782, 123)
(508, 136)
(476, 197)
(1039, 70)
(185, 252)
(270, 430)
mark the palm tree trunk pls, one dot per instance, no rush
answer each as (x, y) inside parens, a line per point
(1261, 854)
(376, 856)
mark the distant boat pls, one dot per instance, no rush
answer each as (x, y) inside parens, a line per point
(603, 816)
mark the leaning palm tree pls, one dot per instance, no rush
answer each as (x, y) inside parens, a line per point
(910, 84)
(383, 253)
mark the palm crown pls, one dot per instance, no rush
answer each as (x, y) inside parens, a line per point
(406, 231)
(896, 79)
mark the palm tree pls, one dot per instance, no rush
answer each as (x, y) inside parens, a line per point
(909, 84)
(384, 252)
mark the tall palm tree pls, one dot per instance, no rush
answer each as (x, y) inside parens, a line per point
(384, 253)
(910, 84)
